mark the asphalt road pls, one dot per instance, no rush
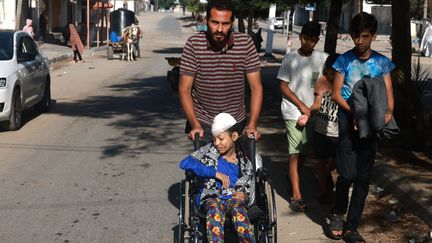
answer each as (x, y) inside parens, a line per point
(102, 166)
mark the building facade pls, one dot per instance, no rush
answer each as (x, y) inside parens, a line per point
(52, 16)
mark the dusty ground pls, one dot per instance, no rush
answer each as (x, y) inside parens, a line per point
(378, 221)
(379, 224)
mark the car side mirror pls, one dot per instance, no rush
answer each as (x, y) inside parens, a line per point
(26, 56)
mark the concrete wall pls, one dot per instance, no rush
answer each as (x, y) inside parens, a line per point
(7, 14)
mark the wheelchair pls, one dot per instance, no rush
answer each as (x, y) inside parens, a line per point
(262, 214)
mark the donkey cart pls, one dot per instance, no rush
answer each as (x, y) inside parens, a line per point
(120, 19)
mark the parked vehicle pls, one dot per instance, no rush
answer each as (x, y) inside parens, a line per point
(279, 23)
(24, 78)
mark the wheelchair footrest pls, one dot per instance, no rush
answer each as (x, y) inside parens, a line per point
(254, 213)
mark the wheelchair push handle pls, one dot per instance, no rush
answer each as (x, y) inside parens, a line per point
(252, 149)
(196, 141)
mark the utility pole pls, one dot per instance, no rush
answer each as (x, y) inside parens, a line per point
(88, 24)
(18, 14)
(425, 9)
(270, 30)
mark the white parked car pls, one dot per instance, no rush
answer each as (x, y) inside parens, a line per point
(24, 78)
(279, 23)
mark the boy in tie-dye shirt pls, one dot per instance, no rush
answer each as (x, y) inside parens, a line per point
(355, 157)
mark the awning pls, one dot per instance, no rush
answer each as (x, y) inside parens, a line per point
(99, 5)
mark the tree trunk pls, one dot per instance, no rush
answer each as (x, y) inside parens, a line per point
(408, 105)
(315, 13)
(241, 26)
(333, 26)
(18, 14)
(358, 8)
(291, 15)
(250, 20)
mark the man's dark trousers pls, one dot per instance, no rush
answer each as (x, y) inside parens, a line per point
(354, 161)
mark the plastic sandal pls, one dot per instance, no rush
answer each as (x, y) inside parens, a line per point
(297, 205)
(336, 224)
(353, 236)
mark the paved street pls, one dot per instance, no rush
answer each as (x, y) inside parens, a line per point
(102, 166)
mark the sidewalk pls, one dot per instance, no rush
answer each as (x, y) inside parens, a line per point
(57, 53)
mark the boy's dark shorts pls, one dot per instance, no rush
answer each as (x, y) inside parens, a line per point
(324, 146)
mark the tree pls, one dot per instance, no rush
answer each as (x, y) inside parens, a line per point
(249, 7)
(194, 6)
(333, 26)
(408, 105)
(416, 8)
(166, 4)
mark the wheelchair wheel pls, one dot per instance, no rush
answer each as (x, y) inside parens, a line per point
(272, 216)
(265, 229)
(181, 224)
(184, 212)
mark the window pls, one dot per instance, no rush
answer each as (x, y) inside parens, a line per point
(28, 46)
(6, 46)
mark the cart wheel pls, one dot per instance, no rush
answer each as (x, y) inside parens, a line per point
(110, 52)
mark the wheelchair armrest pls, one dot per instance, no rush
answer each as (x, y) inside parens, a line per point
(263, 173)
(190, 175)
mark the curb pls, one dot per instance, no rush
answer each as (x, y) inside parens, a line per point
(59, 58)
(401, 187)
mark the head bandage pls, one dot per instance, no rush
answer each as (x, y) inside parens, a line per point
(222, 122)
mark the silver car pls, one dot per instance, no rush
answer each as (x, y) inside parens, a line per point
(24, 78)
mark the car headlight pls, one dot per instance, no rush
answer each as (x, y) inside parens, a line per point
(2, 82)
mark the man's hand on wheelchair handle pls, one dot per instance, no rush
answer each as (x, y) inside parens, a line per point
(198, 130)
(224, 179)
(250, 130)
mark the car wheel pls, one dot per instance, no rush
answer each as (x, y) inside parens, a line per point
(45, 104)
(14, 122)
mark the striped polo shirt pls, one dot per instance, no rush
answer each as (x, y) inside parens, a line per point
(219, 84)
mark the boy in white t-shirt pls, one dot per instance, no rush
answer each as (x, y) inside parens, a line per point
(298, 74)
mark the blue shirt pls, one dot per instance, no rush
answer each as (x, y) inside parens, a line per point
(354, 69)
(230, 169)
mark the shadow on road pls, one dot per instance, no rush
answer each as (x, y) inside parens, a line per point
(174, 50)
(146, 110)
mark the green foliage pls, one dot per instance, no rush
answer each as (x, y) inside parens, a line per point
(193, 6)
(420, 76)
(166, 4)
(416, 9)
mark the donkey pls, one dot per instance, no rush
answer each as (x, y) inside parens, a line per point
(130, 36)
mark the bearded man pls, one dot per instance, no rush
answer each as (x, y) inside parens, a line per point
(212, 74)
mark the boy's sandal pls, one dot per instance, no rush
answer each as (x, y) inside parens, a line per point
(353, 236)
(336, 224)
(297, 205)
